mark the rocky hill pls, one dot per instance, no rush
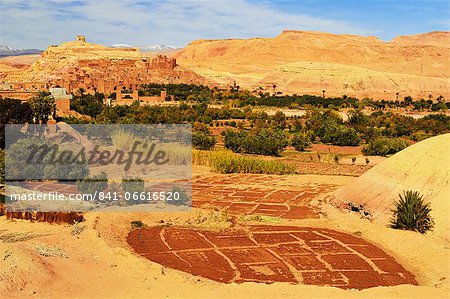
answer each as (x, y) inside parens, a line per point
(82, 64)
(309, 62)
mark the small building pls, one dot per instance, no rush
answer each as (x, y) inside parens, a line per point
(62, 99)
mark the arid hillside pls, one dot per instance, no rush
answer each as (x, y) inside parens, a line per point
(83, 64)
(309, 62)
(19, 62)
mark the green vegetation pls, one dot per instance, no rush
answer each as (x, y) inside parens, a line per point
(412, 213)
(265, 141)
(20, 167)
(132, 185)
(227, 162)
(301, 141)
(43, 106)
(136, 224)
(329, 127)
(202, 141)
(201, 137)
(13, 112)
(384, 146)
(93, 184)
(87, 104)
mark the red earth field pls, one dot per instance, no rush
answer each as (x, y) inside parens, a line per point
(268, 253)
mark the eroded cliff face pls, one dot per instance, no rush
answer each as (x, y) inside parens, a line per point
(309, 62)
(79, 64)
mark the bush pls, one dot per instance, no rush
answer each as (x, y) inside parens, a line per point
(384, 146)
(136, 224)
(202, 141)
(300, 142)
(266, 141)
(412, 213)
(179, 197)
(340, 135)
(93, 184)
(133, 185)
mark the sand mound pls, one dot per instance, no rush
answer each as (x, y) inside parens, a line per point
(422, 167)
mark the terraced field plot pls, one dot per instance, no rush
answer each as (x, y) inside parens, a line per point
(249, 194)
(270, 254)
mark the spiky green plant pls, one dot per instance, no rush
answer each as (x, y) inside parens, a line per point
(412, 213)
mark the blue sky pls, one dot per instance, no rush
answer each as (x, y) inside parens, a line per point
(37, 24)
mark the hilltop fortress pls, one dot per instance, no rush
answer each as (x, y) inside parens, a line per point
(92, 67)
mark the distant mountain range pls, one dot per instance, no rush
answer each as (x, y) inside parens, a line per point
(148, 48)
(7, 51)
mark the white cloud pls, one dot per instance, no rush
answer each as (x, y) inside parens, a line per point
(40, 23)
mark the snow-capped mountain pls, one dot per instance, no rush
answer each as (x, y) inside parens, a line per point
(156, 47)
(147, 48)
(7, 51)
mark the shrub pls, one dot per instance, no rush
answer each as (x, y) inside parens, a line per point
(412, 213)
(340, 135)
(384, 146)
(300, 142)
(179, 197)
(93, 184)
(266, 141)
(202, 141)
(136, 224)
(132, 186)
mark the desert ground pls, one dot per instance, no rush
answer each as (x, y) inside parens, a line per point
(324, 132)
(244, 237)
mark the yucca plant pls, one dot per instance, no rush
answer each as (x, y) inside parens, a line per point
(412, 213)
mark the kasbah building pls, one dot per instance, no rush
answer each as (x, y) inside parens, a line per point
(107, 75)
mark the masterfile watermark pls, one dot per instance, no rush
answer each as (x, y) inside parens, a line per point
(65, 167)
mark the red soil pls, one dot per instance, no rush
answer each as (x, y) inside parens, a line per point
(269, 254)
(221, 192)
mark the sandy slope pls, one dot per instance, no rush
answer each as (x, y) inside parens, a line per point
(410, 65)
(422, 167)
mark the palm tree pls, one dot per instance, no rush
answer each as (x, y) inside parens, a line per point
(323, 93)
(396, 95)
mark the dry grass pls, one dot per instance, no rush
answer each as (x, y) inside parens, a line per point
(211, 220)
(223, 161)
(49, 251)
(259, 218)
(16, 237)
(77, 228)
